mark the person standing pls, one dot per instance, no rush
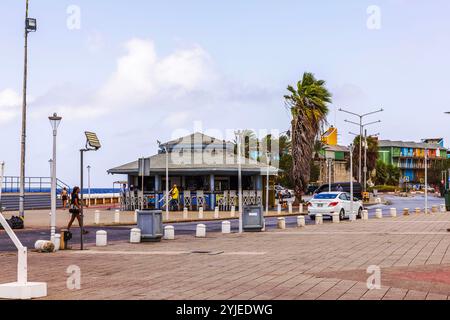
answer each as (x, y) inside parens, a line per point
(75, 209)
(175, 195)
(64, 198)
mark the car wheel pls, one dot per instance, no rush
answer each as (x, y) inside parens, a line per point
(360, 213)
(342, 215)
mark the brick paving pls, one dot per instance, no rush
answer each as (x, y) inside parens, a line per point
(326, 262)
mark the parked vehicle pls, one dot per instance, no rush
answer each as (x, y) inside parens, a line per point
(285, 193)
(328, 203)
(357, 188)
(311, 188)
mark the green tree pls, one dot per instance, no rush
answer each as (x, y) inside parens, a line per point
(308, 102)
(387, 174)
(372, 156)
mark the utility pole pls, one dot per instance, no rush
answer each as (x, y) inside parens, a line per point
(361, 129)
(426, 181)
(239, 146)
(30, 26)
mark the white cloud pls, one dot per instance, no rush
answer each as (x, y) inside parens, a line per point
(10, 102)
(141, 75)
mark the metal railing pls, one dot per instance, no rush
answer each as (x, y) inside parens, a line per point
(32, 184)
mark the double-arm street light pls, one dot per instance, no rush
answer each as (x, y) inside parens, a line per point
(361, 129)
(239, 139)
(30, 26)
(164, 148)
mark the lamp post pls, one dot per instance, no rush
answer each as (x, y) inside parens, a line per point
(2, 172)
(361, 128)
(30, 26)
(269, 157)
(426, 181)
(55, 120)
(351, 178)
(239, 146)
(163, 147)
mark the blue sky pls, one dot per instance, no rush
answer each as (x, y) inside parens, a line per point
(136, 71)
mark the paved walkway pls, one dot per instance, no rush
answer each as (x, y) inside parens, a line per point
(317, 262)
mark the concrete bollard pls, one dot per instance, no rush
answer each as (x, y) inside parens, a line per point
(101, 239)
(418, 210)
(200, 213)
(301, 221)
(336, 218)
(216, 213)
(434, 209)
(352, 217)
(117, 216)
(135, 236)
(281, 223)
(379, 213)
(57, 242)
(406, 211)
(233, 211)
(393, 212)
(378, 200)
(365, 215)
(442, 208)
(300, 208)
(201, 231)
(279, 209)
(169, 233)
(185, 213)
(97, 217)
(319, 219)
(290, 207)
(226, 227)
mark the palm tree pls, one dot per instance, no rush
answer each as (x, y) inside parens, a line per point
(308, 103)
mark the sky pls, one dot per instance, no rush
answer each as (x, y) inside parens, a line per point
(139, 71)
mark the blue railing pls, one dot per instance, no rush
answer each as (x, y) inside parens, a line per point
(32, 185)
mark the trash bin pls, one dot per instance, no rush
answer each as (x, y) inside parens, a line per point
(150, 222)
(253, 219)
(447, 199)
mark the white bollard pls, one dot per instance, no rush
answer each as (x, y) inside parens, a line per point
(101, 238)
(57, 242)
(336, 218)
(281, 223)
(233, 211)
(169, 233)
(226, 227)
(300, 208)
(319, 219)
(393, 212)
(97, 217)
(290, 207)
(185, 213)
(200, 213)
(135, 236)
(378, 200)
(279, 209)
(216, 213)
(365, 215)
(352, 217)
(301, 223)
(379, 214)
(117, 216)
(201, 231)
(443, 209)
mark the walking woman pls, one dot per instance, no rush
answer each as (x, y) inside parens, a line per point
(75, 209)
(65, 198)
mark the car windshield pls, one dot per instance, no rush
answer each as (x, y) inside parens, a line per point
(325, 196)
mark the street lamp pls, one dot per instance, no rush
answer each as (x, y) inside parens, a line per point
(426, 180)
(269, 158)
(361, 128)
(2, 172)
(30, 26)
(55, 121)
(239, 146)
(163, 147)
(92, 144)
(351, 178)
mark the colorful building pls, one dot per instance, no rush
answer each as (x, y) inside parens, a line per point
(410, 156)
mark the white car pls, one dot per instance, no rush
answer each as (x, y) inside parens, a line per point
(328, 203)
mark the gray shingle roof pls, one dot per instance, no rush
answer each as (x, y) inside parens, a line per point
(408, 144)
